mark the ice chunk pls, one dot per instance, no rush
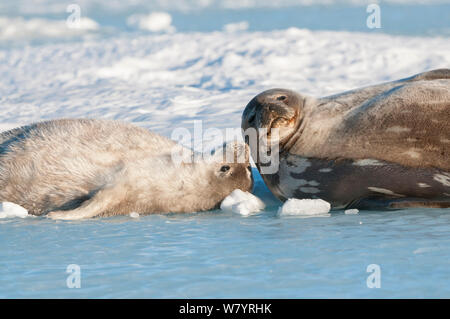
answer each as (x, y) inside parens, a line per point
(9, 210)
(352, 211)
(154, 22)
(235, 27)
(241, 202)
(134, 215)
(304, 207)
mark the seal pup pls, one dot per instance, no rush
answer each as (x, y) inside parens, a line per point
(382, 146)
(80, 168)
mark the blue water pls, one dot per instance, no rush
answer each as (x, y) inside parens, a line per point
(422, 20)
(222, 255)
(415, 19)
(411, 20)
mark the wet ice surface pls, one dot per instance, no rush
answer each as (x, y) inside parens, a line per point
(221, 254)
(218, 254)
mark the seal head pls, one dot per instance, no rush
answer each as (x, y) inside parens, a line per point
(277, 108)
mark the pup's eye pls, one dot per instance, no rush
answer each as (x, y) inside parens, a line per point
(225, 168)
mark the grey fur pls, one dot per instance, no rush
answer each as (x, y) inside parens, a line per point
(80, 168)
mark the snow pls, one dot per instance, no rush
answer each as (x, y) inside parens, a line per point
(243, 203)
(11, 210)
(352, 211)
(159, 82)
(20, 29)
(154, 22)
(235, 27)
(304, 207)
(134, 215)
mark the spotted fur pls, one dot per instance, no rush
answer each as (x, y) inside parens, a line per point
(378, 142)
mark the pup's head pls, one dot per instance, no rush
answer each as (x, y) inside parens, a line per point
(231, 168)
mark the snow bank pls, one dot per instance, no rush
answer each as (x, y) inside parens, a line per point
(211, 79)
(304, 207)
(10, 210)
(243, 203)
(19, 29)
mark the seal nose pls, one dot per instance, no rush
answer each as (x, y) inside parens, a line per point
(280, 110)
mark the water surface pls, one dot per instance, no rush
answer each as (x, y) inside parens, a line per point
(223, 255)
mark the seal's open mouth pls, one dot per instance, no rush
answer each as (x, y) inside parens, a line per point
(275, 114)
(281, 122)
(283, 126)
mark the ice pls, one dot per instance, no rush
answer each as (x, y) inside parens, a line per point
(235, 27)
(352, 211)
(10, 210)
(18, 28)
(304, 207)
(422, 250)
(154, 22)
(142, 78)
(243, 203)
(134, 215)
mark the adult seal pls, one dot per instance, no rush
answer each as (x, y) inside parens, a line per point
(382, 146)
(80, 168)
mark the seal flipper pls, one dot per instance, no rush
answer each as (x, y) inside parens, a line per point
(102, 203)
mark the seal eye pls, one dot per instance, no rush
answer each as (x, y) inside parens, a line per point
(225, 168)
(281, 98)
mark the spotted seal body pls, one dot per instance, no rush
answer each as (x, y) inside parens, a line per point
(74, 169)
(381, 146)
